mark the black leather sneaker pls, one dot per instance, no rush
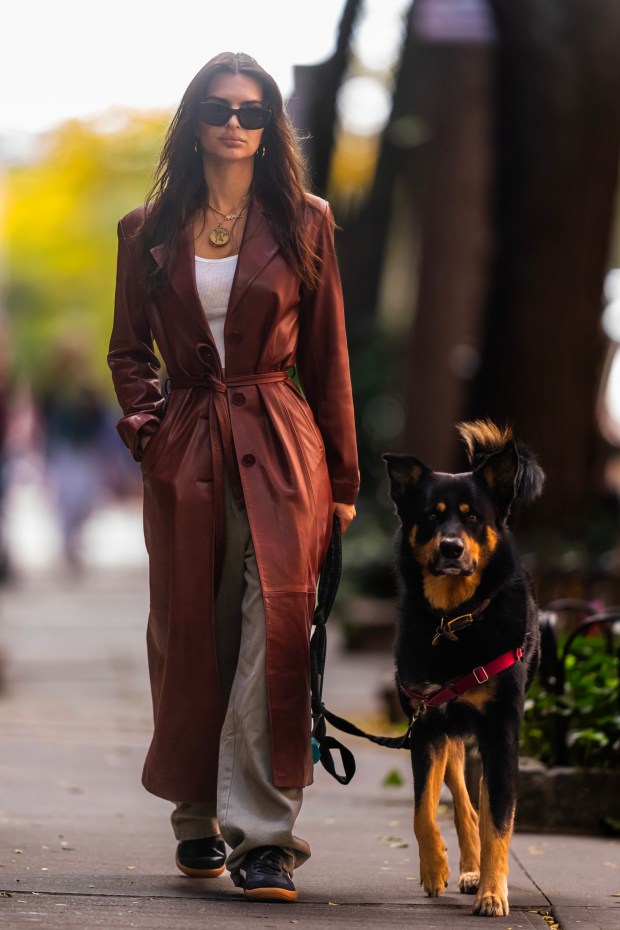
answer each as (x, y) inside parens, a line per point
(266, 878)
(204, 858)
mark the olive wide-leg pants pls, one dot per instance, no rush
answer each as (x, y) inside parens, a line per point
(249, 811)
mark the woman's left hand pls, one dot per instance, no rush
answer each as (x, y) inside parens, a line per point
(346, 513)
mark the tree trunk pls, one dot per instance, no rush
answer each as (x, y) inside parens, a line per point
(558, 142)
(449, 181)
(312, 106)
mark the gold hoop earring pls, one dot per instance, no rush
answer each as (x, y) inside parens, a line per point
(261, 151)
(197, 146)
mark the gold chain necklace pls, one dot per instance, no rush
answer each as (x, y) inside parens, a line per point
(220, 235)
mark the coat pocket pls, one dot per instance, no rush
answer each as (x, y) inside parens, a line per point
(158, 439)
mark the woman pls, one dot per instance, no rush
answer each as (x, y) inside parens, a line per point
(230, 271)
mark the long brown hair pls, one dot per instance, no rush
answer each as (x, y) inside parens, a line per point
(179, 188)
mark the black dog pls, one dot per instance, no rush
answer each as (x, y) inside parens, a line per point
(466, 649)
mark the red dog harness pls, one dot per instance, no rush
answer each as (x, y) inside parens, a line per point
(456, 688)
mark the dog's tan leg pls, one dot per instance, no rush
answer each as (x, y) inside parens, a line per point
(465, 818)
(434, 870)
(492, 897)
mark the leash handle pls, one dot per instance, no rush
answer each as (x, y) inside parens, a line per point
(329, 579)
(326, 744)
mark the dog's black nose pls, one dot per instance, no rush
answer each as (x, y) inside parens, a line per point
(451, 547)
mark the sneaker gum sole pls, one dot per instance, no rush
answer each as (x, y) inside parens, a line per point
(200, 873)
(270, 894)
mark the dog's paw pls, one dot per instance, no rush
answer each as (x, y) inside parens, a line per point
(468, 882)
(434, 885)
(434, 875)
(488, 904)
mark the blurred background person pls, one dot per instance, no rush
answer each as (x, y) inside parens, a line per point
(76, 434)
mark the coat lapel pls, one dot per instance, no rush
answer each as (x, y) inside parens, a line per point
(183, 277)
(257, 249)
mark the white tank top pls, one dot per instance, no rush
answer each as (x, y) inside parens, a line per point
(214, 279)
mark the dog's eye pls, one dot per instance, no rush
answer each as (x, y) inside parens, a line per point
(472, 518)
(432, 517)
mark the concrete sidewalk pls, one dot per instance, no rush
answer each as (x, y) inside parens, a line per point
(84, 846)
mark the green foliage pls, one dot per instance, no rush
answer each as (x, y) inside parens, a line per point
(61, 215)
(589, 706)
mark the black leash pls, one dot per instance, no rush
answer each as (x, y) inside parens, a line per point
(328, 587)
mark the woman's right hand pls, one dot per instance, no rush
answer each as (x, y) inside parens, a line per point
(346, 513)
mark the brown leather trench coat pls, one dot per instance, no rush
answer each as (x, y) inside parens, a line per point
(287, 458)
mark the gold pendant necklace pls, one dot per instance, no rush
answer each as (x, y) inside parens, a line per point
(220, 235)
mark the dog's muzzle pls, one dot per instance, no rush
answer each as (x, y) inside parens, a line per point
(452, 557)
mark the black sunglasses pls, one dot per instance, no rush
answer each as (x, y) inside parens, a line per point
(218, 114)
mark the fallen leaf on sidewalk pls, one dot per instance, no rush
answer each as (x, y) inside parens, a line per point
(393, 779)
(549, 920)
(394, 842)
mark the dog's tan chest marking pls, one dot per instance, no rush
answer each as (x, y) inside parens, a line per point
(446, 592)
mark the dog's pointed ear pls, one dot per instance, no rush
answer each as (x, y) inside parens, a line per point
(404, 471)
(513, 474)
(500, 471)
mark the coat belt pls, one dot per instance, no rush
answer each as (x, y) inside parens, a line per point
(223, 453)
(221, 385)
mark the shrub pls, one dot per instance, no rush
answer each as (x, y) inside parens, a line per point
(586, 716)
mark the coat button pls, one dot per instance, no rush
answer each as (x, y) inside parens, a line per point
(238, 400)
(235, 338)
(249, 460)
